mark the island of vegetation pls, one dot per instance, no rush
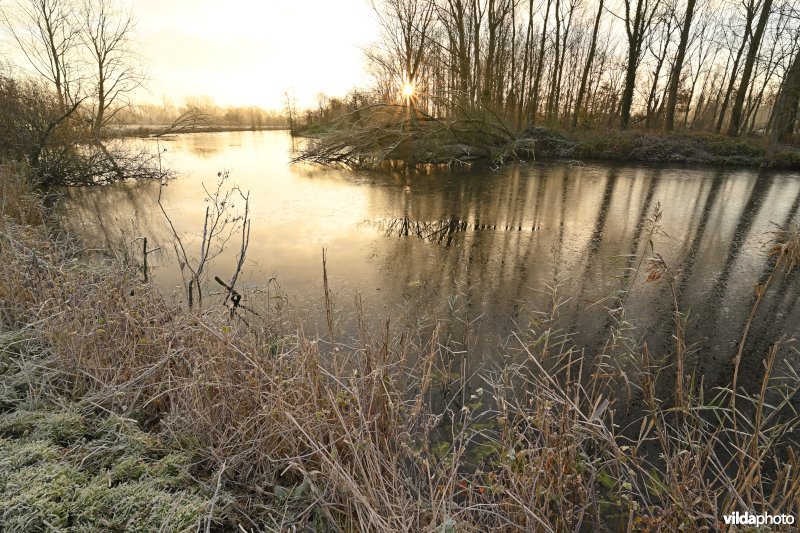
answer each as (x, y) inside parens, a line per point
(646, 80)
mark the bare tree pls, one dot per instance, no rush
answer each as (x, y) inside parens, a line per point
(638, 19)
(675, 79)
(290, 106)
(406, 28)
(588, 67)
(785, 112)
(537, 77)
(519, 61)
(755, 44)
(106, 34)
(47, 34)
(750, 13)
(454, 17)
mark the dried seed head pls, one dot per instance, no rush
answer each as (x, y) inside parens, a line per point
(785, 246)
(656, 267)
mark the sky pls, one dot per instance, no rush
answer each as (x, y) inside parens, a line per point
(242, 52)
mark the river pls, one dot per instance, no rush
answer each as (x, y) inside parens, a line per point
(479, 245)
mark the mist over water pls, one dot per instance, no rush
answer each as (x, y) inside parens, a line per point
(488, 243)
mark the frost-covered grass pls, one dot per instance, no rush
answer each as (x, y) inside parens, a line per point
(74, 467)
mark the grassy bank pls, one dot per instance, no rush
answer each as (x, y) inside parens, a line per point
(690, 148)
(112, 391)
(382, 134)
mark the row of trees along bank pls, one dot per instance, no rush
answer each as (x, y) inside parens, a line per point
(724, 66)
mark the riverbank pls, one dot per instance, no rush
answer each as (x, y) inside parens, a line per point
(268, 428)
(424, 140)
(653, 147)
(149, 130)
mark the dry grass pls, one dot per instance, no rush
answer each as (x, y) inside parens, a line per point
(786, 246)
(348, 439)
(17, 201)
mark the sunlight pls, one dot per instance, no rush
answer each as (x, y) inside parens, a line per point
(407, 91)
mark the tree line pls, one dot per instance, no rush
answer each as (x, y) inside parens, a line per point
(725, 66)
(209, 114)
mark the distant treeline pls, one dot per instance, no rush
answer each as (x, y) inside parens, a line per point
(212, 114)
(82, 74)
(725, 66)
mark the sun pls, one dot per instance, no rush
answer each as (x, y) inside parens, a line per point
(408, 90)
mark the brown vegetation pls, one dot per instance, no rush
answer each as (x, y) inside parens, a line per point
(377, 134)
(302, 433)
(57, 146)
(387, 133)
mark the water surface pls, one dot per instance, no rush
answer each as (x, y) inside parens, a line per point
(489, 243)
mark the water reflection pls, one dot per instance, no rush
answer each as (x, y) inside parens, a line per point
(202, 145)
(498, 235)
(438, 231)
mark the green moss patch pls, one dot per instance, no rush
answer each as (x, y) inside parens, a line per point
(64, 470)
(73, 468)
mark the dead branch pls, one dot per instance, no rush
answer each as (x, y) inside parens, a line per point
(379, 133)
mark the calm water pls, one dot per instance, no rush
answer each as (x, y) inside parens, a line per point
(408, 244)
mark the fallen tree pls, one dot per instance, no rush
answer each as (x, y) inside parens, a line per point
(55, 142)
(379, 133)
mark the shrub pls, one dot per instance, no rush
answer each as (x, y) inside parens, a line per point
(56, 144)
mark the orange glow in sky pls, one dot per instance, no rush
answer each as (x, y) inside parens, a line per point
(242, 52)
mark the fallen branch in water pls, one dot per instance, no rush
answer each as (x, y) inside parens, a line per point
(376, 134)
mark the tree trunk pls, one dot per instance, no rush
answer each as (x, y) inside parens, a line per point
(785, 109)
(539, 64)
(672, 97)
(627, 93)
(523, 96)
(755, 43)
(588, 67)
(101, 105)
(635, 36)
(735, 68)
(556, 66)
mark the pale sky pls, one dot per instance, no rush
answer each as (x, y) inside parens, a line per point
(243, 52)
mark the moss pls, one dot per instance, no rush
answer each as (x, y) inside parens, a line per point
(39, 496)
(73, 468)
(735, 147)
(18, 454)
(61, 427)
(136, 506)
(58, 494)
